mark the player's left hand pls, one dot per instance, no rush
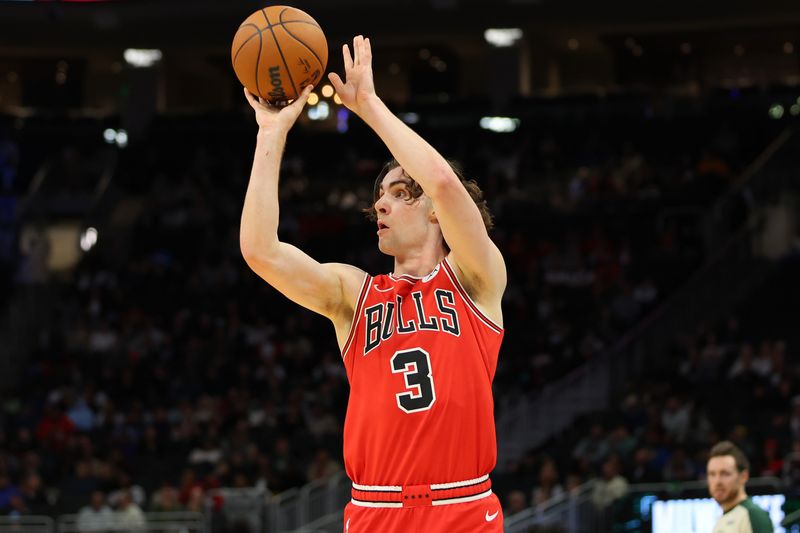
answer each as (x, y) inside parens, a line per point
(359, 87)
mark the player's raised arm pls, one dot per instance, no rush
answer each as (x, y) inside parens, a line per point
(472, 251)
(328, 289)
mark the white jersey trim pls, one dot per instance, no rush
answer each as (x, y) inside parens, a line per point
(448, 501)
(465, 499)
(395, 505)
(457, 484)
(451, 273)
(378, 488)
(362, 297)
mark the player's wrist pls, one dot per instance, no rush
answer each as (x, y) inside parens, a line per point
(370, 106)
(272, 133)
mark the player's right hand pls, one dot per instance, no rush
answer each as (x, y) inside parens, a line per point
(274, 117)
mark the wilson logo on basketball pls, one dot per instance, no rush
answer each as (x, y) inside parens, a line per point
(311, 80)
(277, 91)
(304, 65)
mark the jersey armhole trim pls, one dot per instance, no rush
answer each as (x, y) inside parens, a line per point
(491, 324)
(362, 296)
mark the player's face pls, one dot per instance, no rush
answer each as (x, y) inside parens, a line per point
(403, 221)
(724, 479)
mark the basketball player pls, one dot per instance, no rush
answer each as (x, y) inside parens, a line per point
(728, 471)
(420, 344)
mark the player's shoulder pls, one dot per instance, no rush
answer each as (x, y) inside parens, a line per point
(759, 518)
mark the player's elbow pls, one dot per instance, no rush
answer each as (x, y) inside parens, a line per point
(256, 254)
(443, 180)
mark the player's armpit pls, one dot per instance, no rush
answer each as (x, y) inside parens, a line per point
(486, 293)
(472, 250)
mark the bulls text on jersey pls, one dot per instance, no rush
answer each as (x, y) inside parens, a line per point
(387, 318)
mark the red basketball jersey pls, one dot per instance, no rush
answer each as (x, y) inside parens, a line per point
(420, 359)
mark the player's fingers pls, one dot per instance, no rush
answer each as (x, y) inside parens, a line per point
(357, 44)
(303, 98)
(248, 96)
(367, 52)
(254, 101)
(348, 60)
(336, 81)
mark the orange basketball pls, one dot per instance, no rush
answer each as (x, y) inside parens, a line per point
(277, 51)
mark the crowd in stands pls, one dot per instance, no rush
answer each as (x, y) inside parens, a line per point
(169, 369)
(735, 381)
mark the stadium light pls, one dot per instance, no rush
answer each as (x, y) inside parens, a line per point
(502, 37)
(776, 111)
(142, 58)
(88, 239)
(321, 111)
(409, 118)
(500, 124)
(118, 137)
(122, 138)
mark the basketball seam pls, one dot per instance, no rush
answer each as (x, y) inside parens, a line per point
(278, 46)
(258, 32)
(258, 60)
(321, 66)
(281, 23)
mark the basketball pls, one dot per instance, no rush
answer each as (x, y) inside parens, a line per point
(277, 51)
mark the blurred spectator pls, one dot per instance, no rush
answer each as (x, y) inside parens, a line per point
(81, 414)
(679, 467)
(676, 418)
(8, 492)
(55, 427)
(573, 484)
(128, 517)
(791, 466)
(643, 470)
(592, 448)
(35, 248)
(165, 500)
(611, 486)
(515, 502)
(126, 485)
(208, 453)
(33, 496)
(97, 516)
(323, 466)
(773, 464)
(548, 487)
(189, 484)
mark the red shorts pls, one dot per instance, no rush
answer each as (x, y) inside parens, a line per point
(419, 514)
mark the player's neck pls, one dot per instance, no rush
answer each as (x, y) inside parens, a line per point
(742, 496)
(418, 264)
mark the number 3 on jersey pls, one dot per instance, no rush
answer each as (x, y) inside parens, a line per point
(415, 364)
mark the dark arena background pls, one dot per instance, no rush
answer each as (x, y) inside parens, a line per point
(641, 159)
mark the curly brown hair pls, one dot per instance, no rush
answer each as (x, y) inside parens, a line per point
(415, 190)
